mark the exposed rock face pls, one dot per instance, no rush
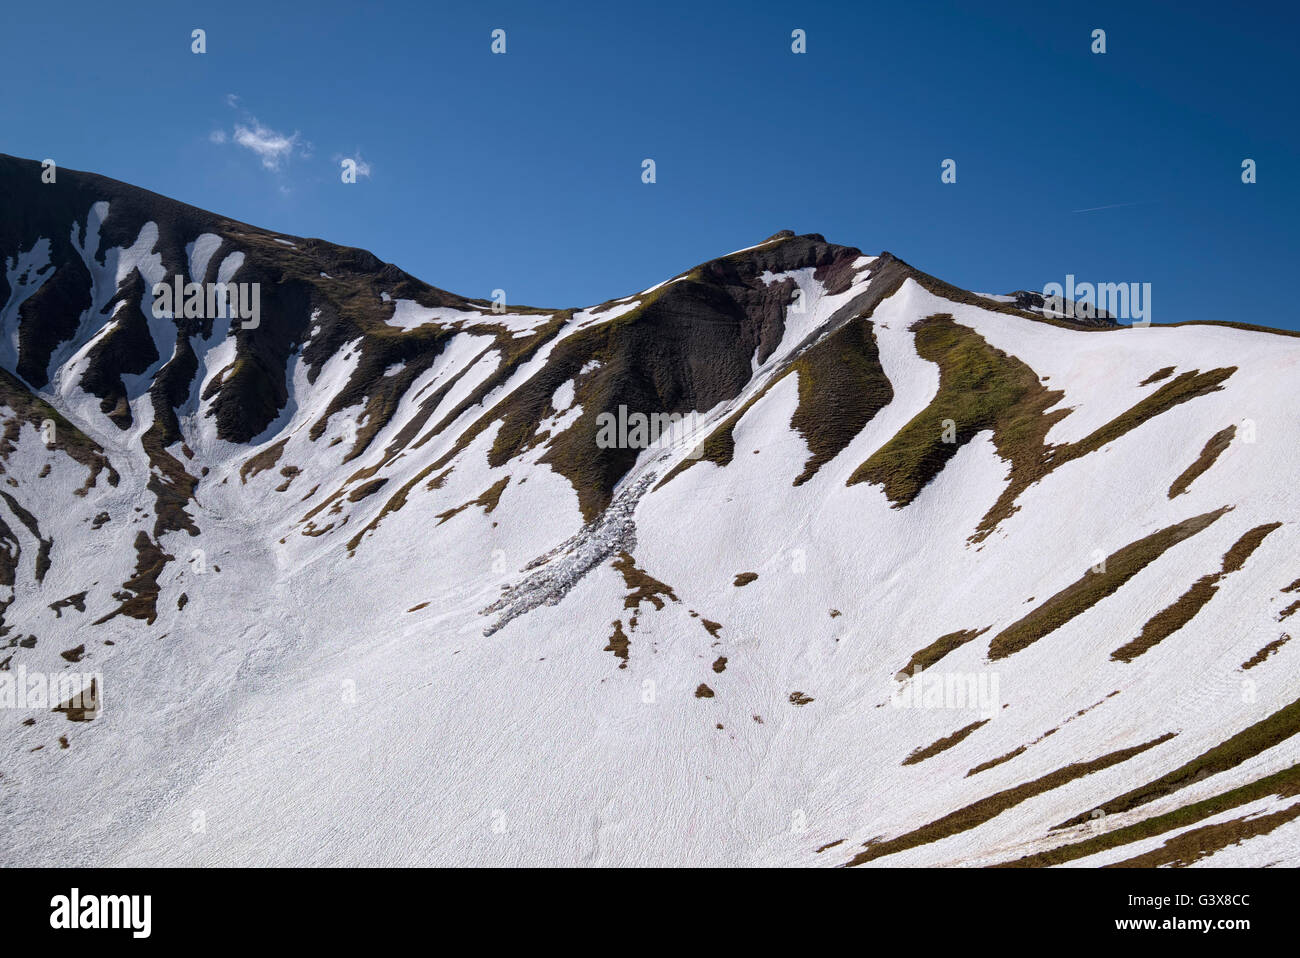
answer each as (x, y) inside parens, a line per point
(1060, 307)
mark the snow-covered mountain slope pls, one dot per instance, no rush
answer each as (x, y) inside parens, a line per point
(915, 577)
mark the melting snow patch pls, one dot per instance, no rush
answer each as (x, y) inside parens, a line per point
(200, 254)
(591, 317)
(746, 249)
(408, 314)
(25, 275)
(516, 323)
(562, 398)
(667, 282)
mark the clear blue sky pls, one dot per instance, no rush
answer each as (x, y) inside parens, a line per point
(523, 171)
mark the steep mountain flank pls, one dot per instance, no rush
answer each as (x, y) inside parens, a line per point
(360, 558)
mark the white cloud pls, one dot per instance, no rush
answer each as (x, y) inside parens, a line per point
(271, 146)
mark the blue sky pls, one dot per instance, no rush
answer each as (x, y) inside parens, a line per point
(523, 171)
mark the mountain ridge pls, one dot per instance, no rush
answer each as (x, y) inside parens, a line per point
(372, 561)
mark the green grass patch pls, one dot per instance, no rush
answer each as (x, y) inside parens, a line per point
(143, 585)
(1163, 373)
(1084, 593)
(264, 460)
(1284, 783)
(1259, 657)
(930, 655)
(1211, 452)
(487, 500)
(33, 410)
(618, 644)
(841, 387)
(1172, 618)
(980, 388)
(942, 745)
(1246, 744)
(642, 587)
(1198, 843)
(977, 813)
(1001, 759)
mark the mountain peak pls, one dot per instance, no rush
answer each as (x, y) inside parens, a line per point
(686, 539)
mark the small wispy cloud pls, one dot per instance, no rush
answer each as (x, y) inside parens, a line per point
(272, 147)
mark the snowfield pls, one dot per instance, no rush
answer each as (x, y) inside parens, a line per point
(339, 674)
